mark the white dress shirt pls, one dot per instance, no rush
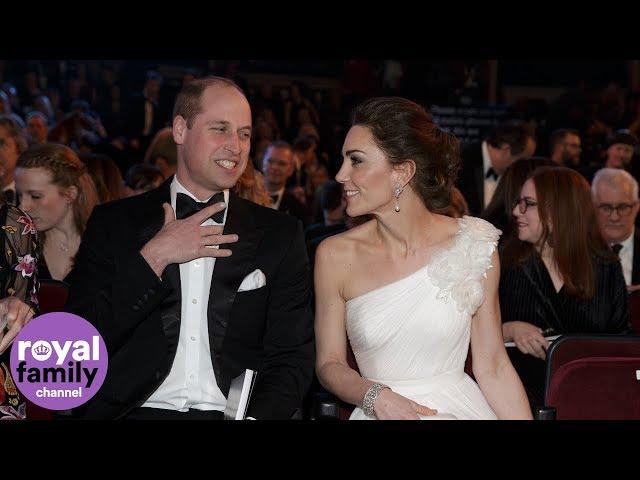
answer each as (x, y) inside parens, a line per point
(626, 257)
(191, 382)
(490, 183)
(276, 205)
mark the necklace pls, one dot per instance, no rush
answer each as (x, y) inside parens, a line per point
(64, 246)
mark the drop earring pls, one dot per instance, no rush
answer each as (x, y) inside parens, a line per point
(397, 193)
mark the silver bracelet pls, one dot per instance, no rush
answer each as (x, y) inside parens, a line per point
(370, 398)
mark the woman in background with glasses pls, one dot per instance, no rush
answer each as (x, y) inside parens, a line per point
(558, 276)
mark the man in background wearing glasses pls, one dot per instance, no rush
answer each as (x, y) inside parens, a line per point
(615, 196)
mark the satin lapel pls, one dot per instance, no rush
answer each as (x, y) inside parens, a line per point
(530, 271)
(150, 222)
(228, 274)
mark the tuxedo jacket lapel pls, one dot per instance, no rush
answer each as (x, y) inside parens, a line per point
(229, 273)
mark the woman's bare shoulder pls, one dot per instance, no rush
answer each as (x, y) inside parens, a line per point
(346, 243)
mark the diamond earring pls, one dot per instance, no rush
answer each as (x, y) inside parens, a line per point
(397, 193)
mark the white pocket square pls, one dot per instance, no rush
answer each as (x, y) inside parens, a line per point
(254, 280)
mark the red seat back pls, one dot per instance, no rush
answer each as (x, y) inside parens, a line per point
(634, 311)
(594, 377)
(52, 295)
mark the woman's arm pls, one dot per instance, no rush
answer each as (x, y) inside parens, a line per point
(332, 368)
(492, 368)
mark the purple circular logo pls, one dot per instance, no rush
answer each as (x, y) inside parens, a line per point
(58, 361)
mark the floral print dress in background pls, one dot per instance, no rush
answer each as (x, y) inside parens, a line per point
(18, 277)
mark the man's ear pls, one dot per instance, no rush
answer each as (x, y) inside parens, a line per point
(179, 129)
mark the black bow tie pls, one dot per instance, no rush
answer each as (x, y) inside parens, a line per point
(187, 206)
(491, 173)
(616, 248)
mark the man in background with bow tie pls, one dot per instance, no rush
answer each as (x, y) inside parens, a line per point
(483, 163)
(187, 301)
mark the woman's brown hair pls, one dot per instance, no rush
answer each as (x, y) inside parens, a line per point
(66, 170)
(569, 226)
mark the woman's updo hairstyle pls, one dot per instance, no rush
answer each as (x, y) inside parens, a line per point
(403, 130)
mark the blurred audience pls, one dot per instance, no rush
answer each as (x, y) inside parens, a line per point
(141, 178)
(12, 144)
(483, 163)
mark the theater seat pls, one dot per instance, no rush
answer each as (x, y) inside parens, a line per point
(634, 311)
(593, 377)
(52, 295)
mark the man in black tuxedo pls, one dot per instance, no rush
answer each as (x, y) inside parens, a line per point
(145, 116)
(181, 317)
(277, 167)
(483, 163)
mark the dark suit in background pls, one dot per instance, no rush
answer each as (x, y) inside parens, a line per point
(291, 205)
(135, 120)
(471, 177)
(635, 272)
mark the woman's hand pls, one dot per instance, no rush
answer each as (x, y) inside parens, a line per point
(528, 338)
(392, 406)
(17, 314)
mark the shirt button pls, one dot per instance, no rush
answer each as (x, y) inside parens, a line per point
(194, 301)
(192, 376)
(193, 338)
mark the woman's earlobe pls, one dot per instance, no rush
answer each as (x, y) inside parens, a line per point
(72, 193)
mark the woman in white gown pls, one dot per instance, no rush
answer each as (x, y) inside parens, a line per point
(410, 289)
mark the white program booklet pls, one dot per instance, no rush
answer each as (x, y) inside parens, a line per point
(549, 339)
(239, 396)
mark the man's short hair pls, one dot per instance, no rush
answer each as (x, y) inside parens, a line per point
(154, 75)
(558, 136)
(14, 130)
(37, 113)
(513, 134)
(624, 137)
(303, 144)
(614, 177)
(188, 102)
(276, 144)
